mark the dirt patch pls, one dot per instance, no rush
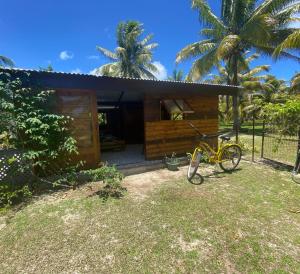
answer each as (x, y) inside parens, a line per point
(140, 185)
(189, 246)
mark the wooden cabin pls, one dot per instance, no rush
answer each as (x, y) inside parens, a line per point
(111, 114)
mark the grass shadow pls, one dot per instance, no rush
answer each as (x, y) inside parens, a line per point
(109, 192)
(199, 179)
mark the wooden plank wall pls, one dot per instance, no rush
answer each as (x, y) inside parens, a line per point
(167, 136)
(81, 105)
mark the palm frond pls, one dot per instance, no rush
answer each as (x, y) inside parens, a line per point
(151, 46)
(291, 42)
(273, 6)
(146, 74)
(206, 16)
(257, 70)
(295, 83)
(107, 53)
(5, 61)
(151, 67)
(252, 57)
(146, 40)
(258, 29)
(269, 50)
(195, 49)
(110, 69)
(226, 10)
(203, 65)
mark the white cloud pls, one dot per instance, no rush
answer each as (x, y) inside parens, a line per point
(76, 71)
(161, 73)
(93, 57)
(65, 55)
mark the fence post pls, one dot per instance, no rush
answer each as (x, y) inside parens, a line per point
(263, 140)
(299, 139)
(253, 136)
(236, 116)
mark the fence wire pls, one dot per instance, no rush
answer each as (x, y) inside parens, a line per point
(280, 149)
(262, 142)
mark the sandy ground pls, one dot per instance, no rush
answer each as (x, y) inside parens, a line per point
(140, 185)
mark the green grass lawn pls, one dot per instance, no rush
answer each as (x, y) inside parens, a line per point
(243, 222)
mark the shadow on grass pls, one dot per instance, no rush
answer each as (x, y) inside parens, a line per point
(109, 192)
(199, 179)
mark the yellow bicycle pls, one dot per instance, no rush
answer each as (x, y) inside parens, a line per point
(228, 155)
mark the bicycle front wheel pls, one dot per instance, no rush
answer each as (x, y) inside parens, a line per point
(230, 157)
(194, 164)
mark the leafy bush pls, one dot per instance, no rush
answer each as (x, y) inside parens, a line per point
(284, 118)
(111, 178)
(30, 125)
(12, 194)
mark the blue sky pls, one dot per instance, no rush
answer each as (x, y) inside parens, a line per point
(65, 33)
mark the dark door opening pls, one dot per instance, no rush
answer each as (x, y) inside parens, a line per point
(121, 130)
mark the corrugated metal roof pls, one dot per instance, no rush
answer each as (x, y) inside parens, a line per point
(125, 78)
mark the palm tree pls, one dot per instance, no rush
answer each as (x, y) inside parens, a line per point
(133, 56)
(271, 90)
(245, 76)
(177, 75)
(295, 82)
(243, 25)
(5, 61)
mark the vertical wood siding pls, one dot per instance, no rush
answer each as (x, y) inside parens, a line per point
(81, 105)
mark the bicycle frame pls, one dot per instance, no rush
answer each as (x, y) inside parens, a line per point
(214, 156)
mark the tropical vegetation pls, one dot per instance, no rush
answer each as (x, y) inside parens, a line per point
(133, 56)
(177, 75)
(243, 25)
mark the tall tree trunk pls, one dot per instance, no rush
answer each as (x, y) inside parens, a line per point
(227, 97)
(236, 123)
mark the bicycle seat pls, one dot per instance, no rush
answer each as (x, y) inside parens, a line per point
(224, 137)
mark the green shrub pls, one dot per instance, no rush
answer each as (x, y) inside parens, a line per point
(111, 178)
(284, 117)
(11, 193)
(30, 125)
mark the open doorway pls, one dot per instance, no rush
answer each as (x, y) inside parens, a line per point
(121, 129)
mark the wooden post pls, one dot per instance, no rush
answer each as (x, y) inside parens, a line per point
(263, 140)
(253, 136)
(299, 139)
(236, 117)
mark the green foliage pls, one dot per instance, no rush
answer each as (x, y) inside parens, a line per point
(11, 193)
(243, 25)
(102, 173)
(284, 118)
(33, 127)
(177, 75)
(30, 126)
(133, 56)
(5, 61)
(111, 178)
(102, 120)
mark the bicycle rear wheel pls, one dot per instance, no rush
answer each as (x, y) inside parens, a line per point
(194, 164)
(296, 175)
(230, 157)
